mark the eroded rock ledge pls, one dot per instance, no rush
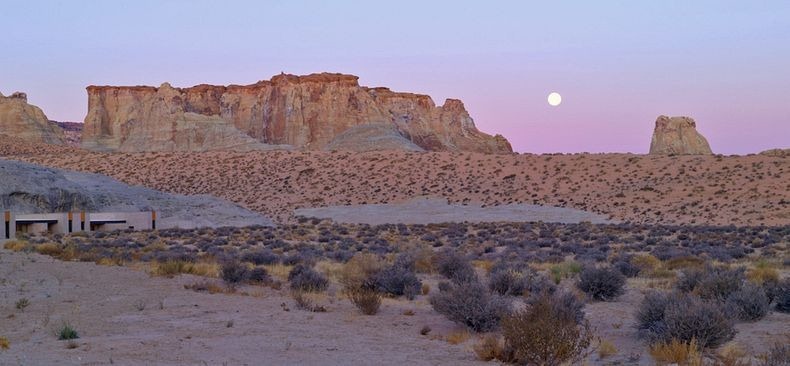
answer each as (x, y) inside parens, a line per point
(303, 112)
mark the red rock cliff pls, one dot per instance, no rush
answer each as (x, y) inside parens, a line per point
(301, 111)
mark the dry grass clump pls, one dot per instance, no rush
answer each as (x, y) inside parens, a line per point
(492, 347)
(207, 286)
(606, 349)
(50, 249)
(458, 337)
(358, 271)
(763, 273)
(15, 245)
(547, 332)
(304, 302)
(175, 267)
(4, 343)
(367, 301)
(677, 352)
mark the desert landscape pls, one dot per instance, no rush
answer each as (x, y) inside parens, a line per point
(310, 219)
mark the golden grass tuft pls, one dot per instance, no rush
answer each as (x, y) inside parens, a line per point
(732, 354)
(4, 343)
(15, 245)
(483, 264)
(646, 262)
(490, 348)
(762, 272)
(278, 270)
(176, 267)
(358, 270)
(458, 337)
(207, 286)
(50, 249)
(677, 352)
(606, 349)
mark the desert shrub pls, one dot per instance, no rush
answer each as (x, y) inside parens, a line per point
(645, 262)
(234, 272)
(470, 304)
(260, 257)
(358, 272)
(781, 296)
(750, 303)
(455, 267)
(565, 303)
(677, 352)
(712, 283)
(763, 273)
(259, 275)
(67, 332)
(779, 355)
(508, 282)
(366, 300)
(541, 334)
(601, 283)
(663, 317)
(22, 303)
(303, 302)
(398, 280)
(304, 278)
(626, 267)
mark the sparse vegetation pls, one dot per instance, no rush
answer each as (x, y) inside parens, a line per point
(366, 300)
(470, 304)
(544, 334)
(601, 283)
(67, 332)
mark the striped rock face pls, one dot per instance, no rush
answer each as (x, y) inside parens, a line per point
(300, 112)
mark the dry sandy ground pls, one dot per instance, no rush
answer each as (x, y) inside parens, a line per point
(182, 327)
(192, 328)
(739, 190)
(436, 211)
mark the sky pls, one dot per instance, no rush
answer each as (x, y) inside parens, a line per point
(617, 64)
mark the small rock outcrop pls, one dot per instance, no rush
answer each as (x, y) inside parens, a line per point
(777, 153)
(304, 112)
(678, 135)
(27, 122)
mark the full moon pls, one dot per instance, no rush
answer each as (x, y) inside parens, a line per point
(555, 99)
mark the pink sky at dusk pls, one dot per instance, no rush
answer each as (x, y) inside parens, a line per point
(618, 65)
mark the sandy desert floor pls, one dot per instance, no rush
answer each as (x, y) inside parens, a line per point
(125, 316)
(711, 190)
(183, 327)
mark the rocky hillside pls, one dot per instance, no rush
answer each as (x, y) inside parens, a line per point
(678, 136)
(28, 188)
(689, 189)
(303, 112)
(26, 121)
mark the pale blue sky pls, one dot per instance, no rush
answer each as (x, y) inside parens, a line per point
(618, 64)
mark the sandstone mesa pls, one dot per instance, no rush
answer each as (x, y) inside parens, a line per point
(288, 111)
(26, 121)
(678, 136)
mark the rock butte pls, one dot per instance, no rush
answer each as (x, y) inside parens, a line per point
(679, 136)
(303, 112)
(26, 121)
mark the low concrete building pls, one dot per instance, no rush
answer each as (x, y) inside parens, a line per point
(109, 221)
(56, 223)
(69, 222)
